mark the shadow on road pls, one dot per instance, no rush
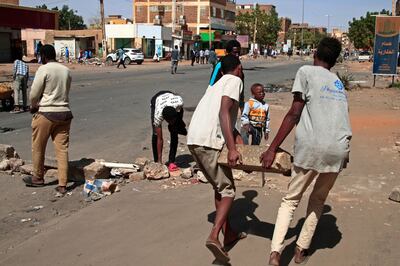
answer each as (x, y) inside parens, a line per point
(327, 235)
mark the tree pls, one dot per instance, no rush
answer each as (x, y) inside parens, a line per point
(311, 37)
(267, 25)
(68, 18)
(95, 22)
(362, 30)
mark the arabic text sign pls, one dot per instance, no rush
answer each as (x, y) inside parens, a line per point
(386, 45)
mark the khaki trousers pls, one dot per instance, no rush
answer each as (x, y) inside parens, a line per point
(301, 179)
(42, 129)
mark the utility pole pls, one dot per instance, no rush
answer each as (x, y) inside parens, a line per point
(209, 27)
(173, 16)
(255, 33)
(103, 29)
(393, 7)
(329, 23)
(302, 30)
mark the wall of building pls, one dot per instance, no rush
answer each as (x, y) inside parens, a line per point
(10, 2)
(31, 37)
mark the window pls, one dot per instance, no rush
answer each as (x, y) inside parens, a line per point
(153, 8)
(222, 13)
(203, 12)
(214, 12)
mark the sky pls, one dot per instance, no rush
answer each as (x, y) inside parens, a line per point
(315, 11)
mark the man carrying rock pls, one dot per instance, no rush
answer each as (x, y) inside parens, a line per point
(212, 127)
(51, 117)
(167, 106)
(321, 149)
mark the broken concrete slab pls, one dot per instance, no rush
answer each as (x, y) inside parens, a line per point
(7, 152)
(96, 170)
(26, 169)
(15, 164)
(243, 179)
(251, 159)
(187, 173)
(5, 165)
(134, 177)
(51, 173)
(155, 171)
(141, 162)
(395, 194)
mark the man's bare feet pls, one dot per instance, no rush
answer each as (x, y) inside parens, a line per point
(274, 258)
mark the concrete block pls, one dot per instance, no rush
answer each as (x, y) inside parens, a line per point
(96, 170)
(243, 179)
(141, 162)
(26, 169)
(15, 164)
(251, 159)
(134, 177)
(187, 173)
(155, 171)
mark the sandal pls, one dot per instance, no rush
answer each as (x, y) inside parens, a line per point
(231, 244)
(29, 182)
(60, 193)
(216, 249)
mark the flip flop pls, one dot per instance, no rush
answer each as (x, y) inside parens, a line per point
(29, 183)
(231, 244)
(217, 251)
(59, 194)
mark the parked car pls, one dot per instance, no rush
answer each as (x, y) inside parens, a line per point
(131, 55)
(364, 56)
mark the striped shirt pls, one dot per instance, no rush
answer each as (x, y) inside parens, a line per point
(21, 68)
(164, 100)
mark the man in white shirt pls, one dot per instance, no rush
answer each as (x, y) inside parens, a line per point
(213, 126)
(167, 106)
(322, 145)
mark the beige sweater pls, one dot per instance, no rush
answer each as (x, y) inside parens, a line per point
(50, 88)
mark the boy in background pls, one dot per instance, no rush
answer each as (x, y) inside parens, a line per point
(255, 117)
(212, 127)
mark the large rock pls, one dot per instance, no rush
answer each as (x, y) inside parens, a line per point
(7, 152)
(96, 170)
(395, 194)
(4, 165)
(15, 164)
(155, 171)
(134, 177)
(251, 159)
(51, 173)
(187, 173)
(243, 179)
(26, 169)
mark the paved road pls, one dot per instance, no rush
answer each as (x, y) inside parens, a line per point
(111, 108)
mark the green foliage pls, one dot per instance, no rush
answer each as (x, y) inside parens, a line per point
(395, 85)
(362, 30)
(311, 37)
(68, 18)
(268, 26)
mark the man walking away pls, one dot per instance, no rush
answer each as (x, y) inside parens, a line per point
(20, 84)
(39, 46)
(202, 56)
(212, 59)
(322, 145)
(121, 57)
(207, 55)
(174, 59)
(192, 56)
(51, 118)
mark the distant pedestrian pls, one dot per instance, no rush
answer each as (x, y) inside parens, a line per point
(20, 85)
(290, 53)
(201, 56)
(212, 58)
(156, 58)
(121, 57)
(174, 59)
(207, 55)
(192, 56)
(39, 46)
(167, 106)
(51, 118)
(66, 54)
(197, 54)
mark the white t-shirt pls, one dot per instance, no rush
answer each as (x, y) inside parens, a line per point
(166, 99)
(205, 129)
(323, 133)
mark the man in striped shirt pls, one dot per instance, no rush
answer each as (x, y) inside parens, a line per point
(20, 76)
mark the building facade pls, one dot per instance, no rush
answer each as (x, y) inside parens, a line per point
(249, 8)
(196, 16)
(282, 34)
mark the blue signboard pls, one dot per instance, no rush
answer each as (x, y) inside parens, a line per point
(386, 45)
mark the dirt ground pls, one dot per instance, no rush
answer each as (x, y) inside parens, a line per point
(360, 196)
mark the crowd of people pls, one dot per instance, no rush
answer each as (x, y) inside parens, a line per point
(321, 143)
